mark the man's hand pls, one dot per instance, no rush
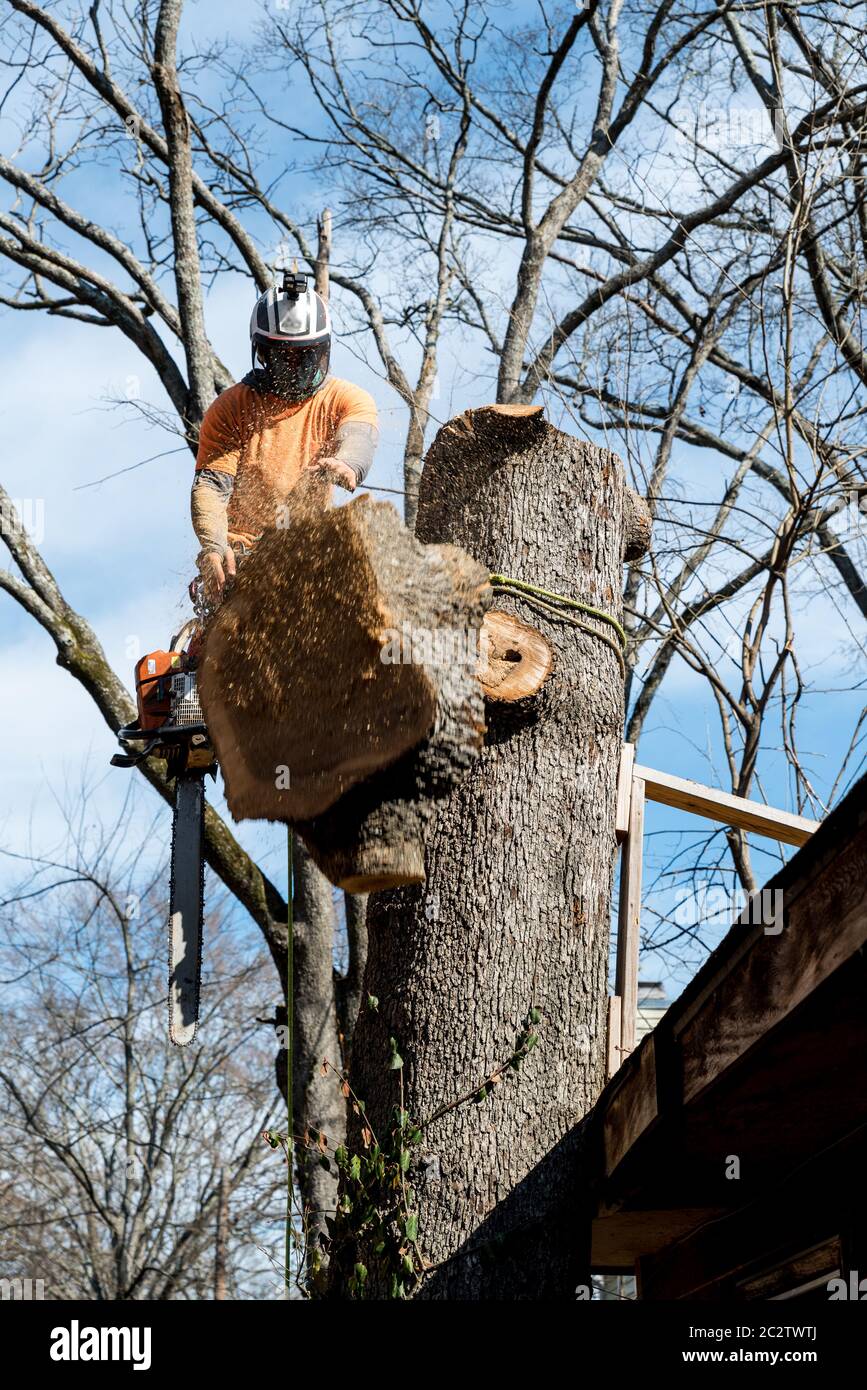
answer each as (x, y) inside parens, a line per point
(215, 570)
(335, 472)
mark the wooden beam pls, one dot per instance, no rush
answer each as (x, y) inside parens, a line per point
(614, 1028)
(624, 791)
(721, 806)
(629, 919)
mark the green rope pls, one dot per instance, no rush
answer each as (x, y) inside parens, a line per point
(290, 1039)
(506, 581)
(536, 597)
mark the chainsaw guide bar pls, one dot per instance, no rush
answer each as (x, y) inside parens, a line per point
(170, 726)
(186, 908)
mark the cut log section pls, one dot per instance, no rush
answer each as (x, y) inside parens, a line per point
(346, 649)
(515, 660)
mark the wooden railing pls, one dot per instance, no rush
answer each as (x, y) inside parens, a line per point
(635, 785)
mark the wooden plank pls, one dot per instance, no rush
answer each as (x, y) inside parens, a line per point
(797, 1210)
(613, 1042)
(826, 926)
(624, 791)
(629, 918)
(810, 1269)
(721, 806)
(632, 1107)
(621, 1239)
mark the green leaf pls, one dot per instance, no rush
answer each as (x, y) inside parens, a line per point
(395, 1061)
(324, 1163)
(355, 1167)
(535, 1015)
(411, 1227)
(404, 1160)
(360, 1273)
(408, 1267)
(372, 1002)
(341, 1156)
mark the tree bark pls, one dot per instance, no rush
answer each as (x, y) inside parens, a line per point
(188, 282)
(221, 1282)
(515, 911)
(317, 1095)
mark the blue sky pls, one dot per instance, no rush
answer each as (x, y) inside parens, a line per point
(123, 551)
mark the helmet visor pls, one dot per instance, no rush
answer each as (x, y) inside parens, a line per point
(295, 371)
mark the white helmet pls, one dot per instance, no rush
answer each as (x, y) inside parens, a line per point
(290, 331)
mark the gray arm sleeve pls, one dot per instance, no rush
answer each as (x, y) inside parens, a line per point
(355, 444)
(209, 504)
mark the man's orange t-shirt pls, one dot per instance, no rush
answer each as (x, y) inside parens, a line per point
(263, 442)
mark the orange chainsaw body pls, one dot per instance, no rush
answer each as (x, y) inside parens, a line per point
(153, 686)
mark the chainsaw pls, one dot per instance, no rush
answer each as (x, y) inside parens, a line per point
(170, 725)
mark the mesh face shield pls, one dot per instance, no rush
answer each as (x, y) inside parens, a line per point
(292, 371)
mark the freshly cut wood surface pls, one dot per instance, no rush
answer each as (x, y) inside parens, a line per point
(297, 699)
(516, 659)
(374, 837)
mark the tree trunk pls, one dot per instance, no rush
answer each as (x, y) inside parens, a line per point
(515, 912)
(318, 1102)
(221, 1281)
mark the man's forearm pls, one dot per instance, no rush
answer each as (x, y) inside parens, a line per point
(209, 507)
(355, 445)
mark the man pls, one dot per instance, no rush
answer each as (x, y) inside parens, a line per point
(286, 419)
